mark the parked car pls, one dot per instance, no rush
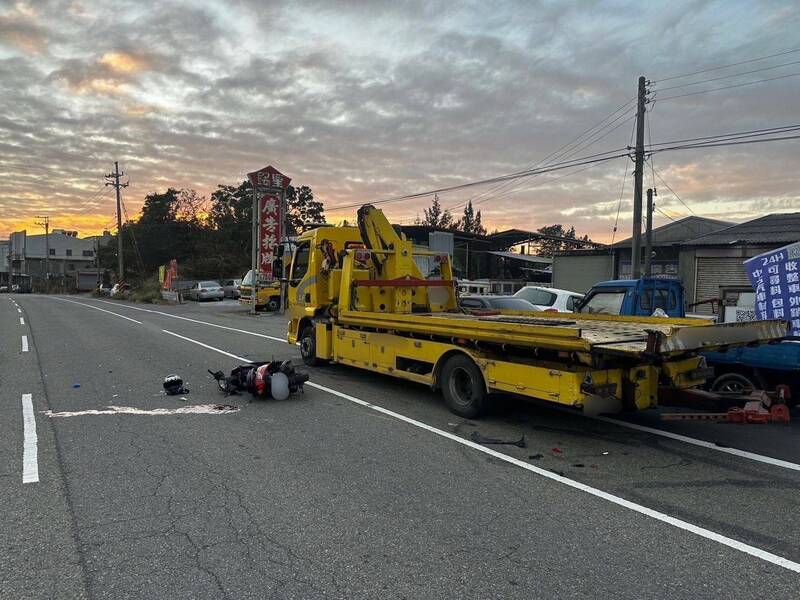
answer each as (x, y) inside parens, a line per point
(497, 302)
(206, 290)
(551, 299)
(231, 287)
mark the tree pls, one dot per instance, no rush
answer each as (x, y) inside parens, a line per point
(471, 221)
(302, 209)
(436, 217)
(549, 247)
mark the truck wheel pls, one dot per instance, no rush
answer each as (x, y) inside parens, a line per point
(462, 387)
(273, 304)
(733, 383)
(308, 347)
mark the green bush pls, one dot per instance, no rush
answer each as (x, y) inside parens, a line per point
(148, 291)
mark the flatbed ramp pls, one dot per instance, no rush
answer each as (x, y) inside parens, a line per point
(586, 333)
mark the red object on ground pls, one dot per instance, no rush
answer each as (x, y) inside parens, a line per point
(556, 450)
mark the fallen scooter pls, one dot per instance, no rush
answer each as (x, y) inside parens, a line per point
(274, 379)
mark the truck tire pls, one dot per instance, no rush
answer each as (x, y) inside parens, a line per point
(734, 383)
(462, 387)
(273, 304)
(308, 347)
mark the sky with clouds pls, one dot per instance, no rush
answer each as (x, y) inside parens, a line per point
(367, 100)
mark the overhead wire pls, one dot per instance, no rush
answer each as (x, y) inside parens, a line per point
(622, 190)
(736, 64)
(721, 77)
(728, 87)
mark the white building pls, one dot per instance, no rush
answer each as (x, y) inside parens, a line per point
(67, 253)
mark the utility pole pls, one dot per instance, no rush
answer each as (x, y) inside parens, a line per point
(648, 239)
(45, 222)
(254, 252)
(114, 177)
(638, 173)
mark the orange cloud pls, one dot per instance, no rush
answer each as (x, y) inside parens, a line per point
(124, 62)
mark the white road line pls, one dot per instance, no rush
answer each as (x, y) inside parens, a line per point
(165, 314)
(24, 343)
(30, 450)
(703, 444)
(100, 309)
(21, 321)
(638, 508)
(19, 310)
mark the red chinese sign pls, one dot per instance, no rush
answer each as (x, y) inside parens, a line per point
(269, 177)
(269, 233)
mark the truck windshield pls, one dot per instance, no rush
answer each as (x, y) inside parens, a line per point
(604, 303)
(248, 279)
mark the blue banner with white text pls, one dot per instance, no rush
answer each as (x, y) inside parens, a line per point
(775, 277)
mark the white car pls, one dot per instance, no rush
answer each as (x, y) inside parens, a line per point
(550, 299)
(206, 290)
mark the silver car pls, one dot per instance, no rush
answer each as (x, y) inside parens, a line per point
(231, 288)
(206, 290)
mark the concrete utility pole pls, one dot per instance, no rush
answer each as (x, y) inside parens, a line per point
(254, 253)
(117, 185)
(636, 248)
(45, 222)
(648, 239)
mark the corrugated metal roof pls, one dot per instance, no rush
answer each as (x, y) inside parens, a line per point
(681, 230)
(544, 260)
(774, 229)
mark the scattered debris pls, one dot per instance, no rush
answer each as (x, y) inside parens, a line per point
(479, 439)
(556, 450)
(197, 409)
(274, 378)
(173, 385)
(557, 472)
(76, 386)
(606, 453)
(536, 456)
(579, 465)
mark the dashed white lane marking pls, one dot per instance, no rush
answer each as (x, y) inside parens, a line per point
(785, 464)
(166, 314)
(24, 343)
(100, 309)
(638, 508)
(30, 449)
(196, 409)
(21, 321)
(19, 310)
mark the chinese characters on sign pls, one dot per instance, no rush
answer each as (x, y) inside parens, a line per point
(269, 233)
(775, 277)
(269, 186)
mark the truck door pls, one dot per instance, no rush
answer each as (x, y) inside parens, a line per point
(300, 283)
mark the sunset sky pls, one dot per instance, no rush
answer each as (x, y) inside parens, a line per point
(367, 100)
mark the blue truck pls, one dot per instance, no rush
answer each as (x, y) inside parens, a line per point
(735, 370)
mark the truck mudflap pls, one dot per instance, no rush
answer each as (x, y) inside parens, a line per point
(724, 334)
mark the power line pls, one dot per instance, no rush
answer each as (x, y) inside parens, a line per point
(502, 190)
(661, 179)
(726, 143)
(727, 87)
(736, 64)
(510, 176)
(769, 130)
(622, 190)
(682, 85)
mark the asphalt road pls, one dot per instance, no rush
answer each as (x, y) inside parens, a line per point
(362, 487)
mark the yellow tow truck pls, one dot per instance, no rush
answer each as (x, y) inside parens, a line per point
(357, 297)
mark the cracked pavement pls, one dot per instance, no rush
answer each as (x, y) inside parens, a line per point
(315, 497)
